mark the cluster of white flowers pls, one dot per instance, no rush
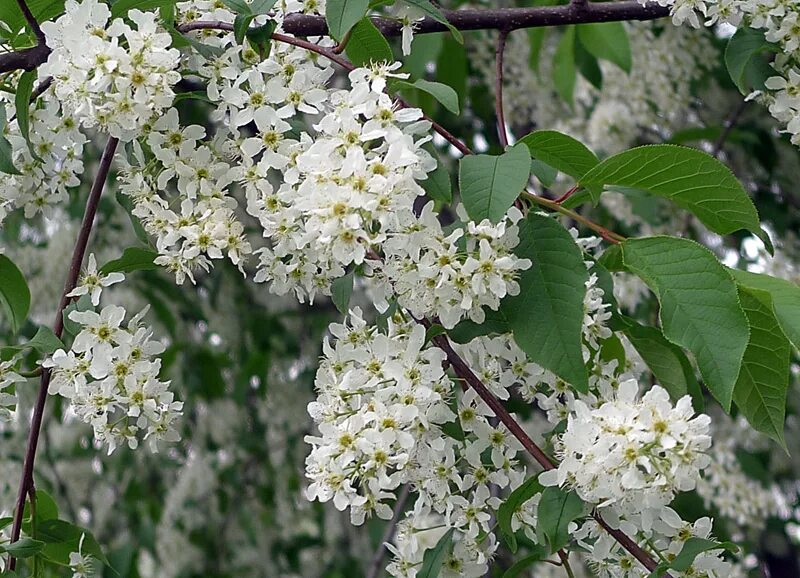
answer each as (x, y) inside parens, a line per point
(110, 75)
(50, 165)
(111, 378)
(778, 19)
(8, 379)
(632, 454)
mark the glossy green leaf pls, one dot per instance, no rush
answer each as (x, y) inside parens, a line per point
(41, 9)
(745, 61)
(785, 299)
(561, 152)
(547, 316)
(240, 26)
(341, 291)
(15, 297)
(495, 323)
(22, 548)
(490, 184)
(690, 178)
(438, 186)
(342, 15)
(61, 538)
(565, 71)
(512, 505)
(445, 95)
(434, 558)
(22, 103)
(607, 41)
(539, 553)
(367, 45)
(760, 391)
(669, 364)
(699, 306)
(45, 341)
(557, 508)
(133, 259)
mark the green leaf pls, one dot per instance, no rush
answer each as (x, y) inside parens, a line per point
(342, 15)
(260, 7)
(15, 297)
(434, 558)
(240, 25)
(438, 186)
(45, 341)
(367, 45)
(512, 505)
(430, 10)
(563, 153)
(41, 9)
(744, 59)
(122, 7)
(133, 259)
(489, 184)
(138, 229)
(760, 391)
(238, 6)
(61, 538)
(699, 306)
(785, 299)
(607, 41)
(22, 102)
(588, 66)
(84, 303)
(23, 548)
(547, 315)
(539, 554)
(557, 509)
(6, 150)
(667, 361)
(495, 322)
(694, 546)
(445, 95)
(260, 37)
(544, 172)
(690, 178)
(341, 291)
(536, 41)
(564, 69)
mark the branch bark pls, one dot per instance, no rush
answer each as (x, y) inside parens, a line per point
(26, 483)
(507, 19)
(498, 88)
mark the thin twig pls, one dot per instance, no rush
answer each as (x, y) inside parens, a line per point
(730, 124)
(32, 22)
(26, 481)
(498, 88)
(376, 563)
(464, 372)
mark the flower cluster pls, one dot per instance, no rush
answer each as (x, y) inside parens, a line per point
(110, 376)
(452, 276)
(779, 22)
(48, 166)
(632, 454)
(110, 75)
(8, 379)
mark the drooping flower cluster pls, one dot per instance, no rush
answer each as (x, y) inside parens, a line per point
(112, 75)
(111, 377)
(779, 22)
(633, 454)
(48, 167)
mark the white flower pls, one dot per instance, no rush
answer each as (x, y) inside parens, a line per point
(92, 283)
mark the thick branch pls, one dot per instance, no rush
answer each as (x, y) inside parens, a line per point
(498, 18)
(469, 19)
(26, 485)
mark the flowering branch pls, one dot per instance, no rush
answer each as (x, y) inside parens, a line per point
(464, 372)
(507, 19)
(26, 484)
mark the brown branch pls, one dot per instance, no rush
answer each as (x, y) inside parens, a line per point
(32, 22)
(464, 372)
(498, 88)
(377, 560)
(468, 19)
(26, 485)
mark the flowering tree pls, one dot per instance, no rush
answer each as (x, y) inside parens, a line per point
(390, 288)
